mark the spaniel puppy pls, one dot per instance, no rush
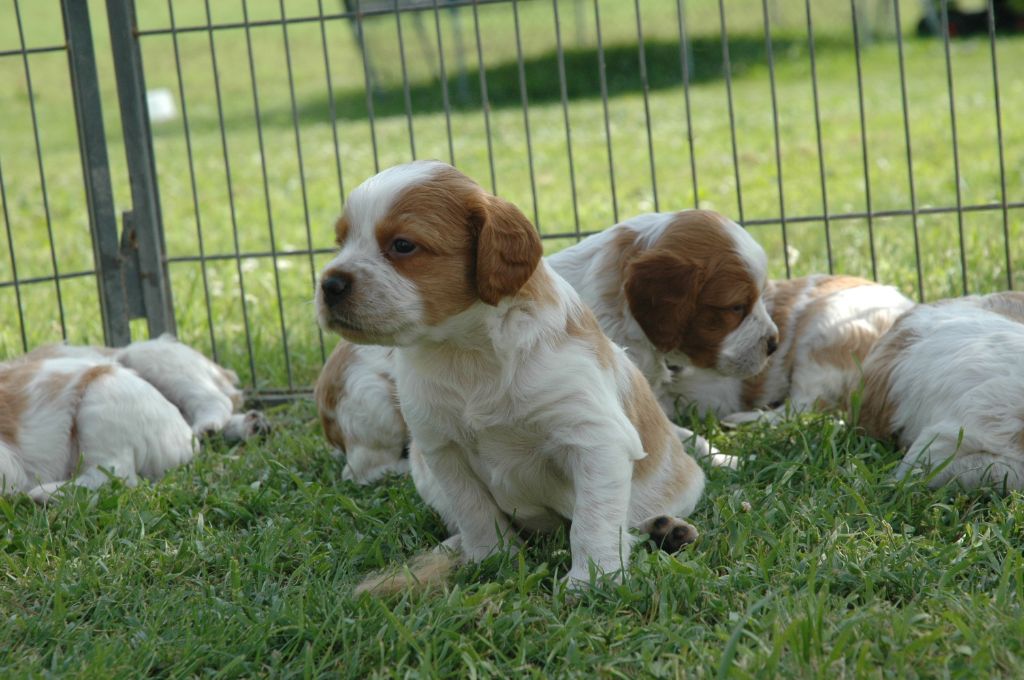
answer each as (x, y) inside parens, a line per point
(81, 420)
(683, 292)
(947, 384)
(358, 405)
(827, 326)
(206, 394)
(524, 415)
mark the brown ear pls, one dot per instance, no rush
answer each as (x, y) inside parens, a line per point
(508, 250)
(661, 290)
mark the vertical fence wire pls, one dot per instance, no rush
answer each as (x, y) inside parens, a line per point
(775, 129)
(817, 130)
(999, 139)
(956, 146)
(864, 141)
(332, 107)
(302, 166)
(685, 66)
(14, 261)
(910, 153)
(485, 101)
(645, 88)
(231, 194)
(727, 70)
(445, 95)
(524, 99)
(266, 192)
(406, 93)
(42, 172)
(369, 83)
(602, 72)
(192, 180)
(563, 91)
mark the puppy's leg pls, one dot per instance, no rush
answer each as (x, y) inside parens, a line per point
(961, 459)
(701, 449)
(242, 427)
(12, 474)
(484, 528)
(669, 533)
(601, 476)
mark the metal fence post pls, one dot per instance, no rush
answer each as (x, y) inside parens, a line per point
(143, 227)
(96, 172)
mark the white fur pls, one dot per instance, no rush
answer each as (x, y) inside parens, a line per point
(961, 375)
(515, 423)
(117, 424)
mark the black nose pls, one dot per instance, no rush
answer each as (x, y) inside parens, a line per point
(773, 344)
(335, 287)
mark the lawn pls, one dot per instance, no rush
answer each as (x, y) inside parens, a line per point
(243, 563)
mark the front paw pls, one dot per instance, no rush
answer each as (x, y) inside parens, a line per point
(669, 533)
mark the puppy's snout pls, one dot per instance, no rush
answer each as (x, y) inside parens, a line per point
(335, 287)
(773, 344)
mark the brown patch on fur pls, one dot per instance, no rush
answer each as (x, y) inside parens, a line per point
(684, 289)
(583, 325)
(819, 291)
(341, 230)
(1009, 304)
(14, 377)
(471, 245)
(651, 423)
(877, 405)
(330, 389)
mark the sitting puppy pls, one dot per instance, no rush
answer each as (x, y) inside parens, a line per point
(83, 419)
(524, 415)
(206, 394)
(827, 326)
(683, 293)
(358, 405)
(947, 383)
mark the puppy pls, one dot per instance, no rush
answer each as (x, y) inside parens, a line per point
(358, 405)
(524, 415)
(81, 420)
(206, 394)
(683, 292)
(947, 384)
(827, 325)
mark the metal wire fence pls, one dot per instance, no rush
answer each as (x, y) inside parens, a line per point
(841, 139)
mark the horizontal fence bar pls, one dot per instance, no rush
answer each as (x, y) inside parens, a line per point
(33, 50)
(46, 279)
(316, 18)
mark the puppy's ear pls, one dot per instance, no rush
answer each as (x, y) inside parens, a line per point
(662, 290)
(508, 249)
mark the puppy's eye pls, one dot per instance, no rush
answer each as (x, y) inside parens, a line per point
(738, 309)
(401, 246)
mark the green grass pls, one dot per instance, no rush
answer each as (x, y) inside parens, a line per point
(243, 564)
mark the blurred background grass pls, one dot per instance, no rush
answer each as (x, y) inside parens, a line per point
(333, 131)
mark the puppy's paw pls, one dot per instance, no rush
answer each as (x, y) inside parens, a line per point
(669, 533)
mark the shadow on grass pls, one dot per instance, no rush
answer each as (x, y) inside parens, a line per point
(543, 85)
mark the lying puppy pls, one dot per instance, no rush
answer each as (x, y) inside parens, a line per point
(683, 292)
(827, 326)
(523, 413)
(206, 394)
(947, 384)
(358, 405)
(83, 419)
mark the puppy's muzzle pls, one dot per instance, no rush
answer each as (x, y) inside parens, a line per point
(335, 287)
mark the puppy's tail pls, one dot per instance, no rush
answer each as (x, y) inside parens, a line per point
(424, 571)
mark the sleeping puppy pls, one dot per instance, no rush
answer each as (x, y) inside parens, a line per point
(358, 405)
(947, 384)
(82, 420)
(524, 415)
(683, 292)
(206, 394)
(827, 325)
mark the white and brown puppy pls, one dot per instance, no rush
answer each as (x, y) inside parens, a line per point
(827, 325)
(524, 415)
(206, 393)
(682, 292)
(947, 383)
(358, 405)
(82, 420)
